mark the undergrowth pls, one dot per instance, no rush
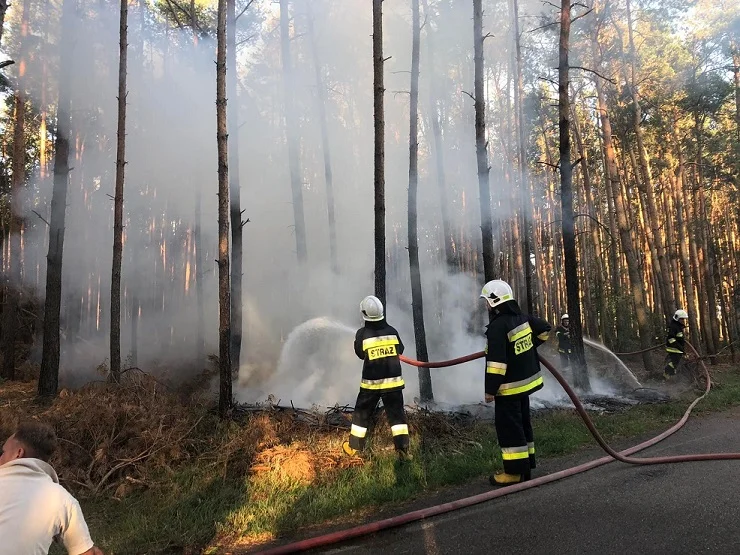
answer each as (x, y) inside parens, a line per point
(157, 472)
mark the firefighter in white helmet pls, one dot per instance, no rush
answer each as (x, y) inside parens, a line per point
(675, 342)
(565, 348)
(378, 345)
(512, 375)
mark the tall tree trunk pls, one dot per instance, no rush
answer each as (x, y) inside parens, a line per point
(234, 188)
(647, 178)
(597, 295)
(224, 291)
(49, 374)
(378, 115)
(481, 145)
(115, 293)
(525, 187)
(623, 225)
(566, 194)
(710, 322)
(325, 147)
(198, 240)
(417, 301)
(200, 346)
(13, 281)
(736, 75)
(291, 133)
(434, 116)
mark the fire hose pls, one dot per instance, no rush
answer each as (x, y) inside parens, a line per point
(623, 456)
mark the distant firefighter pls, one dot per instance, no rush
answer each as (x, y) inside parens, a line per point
(565, 348)
(675, 343)
(512, 375)
(378, 345)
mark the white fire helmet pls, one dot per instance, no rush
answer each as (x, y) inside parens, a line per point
(497, 292)
(564, 317)
(372, 309)
(680, 314)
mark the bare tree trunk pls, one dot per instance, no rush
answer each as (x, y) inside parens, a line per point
(291, 132)
(525, 187)
(49, 375)
(197, 238)
(234, 189)
(481, 145)
(224, 291)
(566, 194)
(325, 147)
(434, 116)
(200, 347)
(736, 75)
(710, 322)
(612, 174)
(115, 293)
(13, 283)
(417, 300)
(378, 90)
(647, 179)
(597, 295)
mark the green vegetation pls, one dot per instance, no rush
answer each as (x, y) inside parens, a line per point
(199, 505)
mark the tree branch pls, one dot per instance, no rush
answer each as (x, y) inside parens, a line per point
(41, 218)
(244, 10)
(584, 14)
(470, 95)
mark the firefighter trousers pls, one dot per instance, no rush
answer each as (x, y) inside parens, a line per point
(366, 403)
(564, 360)
(515, 436)
(672, 361)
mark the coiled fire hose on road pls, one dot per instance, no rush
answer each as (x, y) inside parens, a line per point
(623, 456)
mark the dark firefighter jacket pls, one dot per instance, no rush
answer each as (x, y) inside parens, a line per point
(563, 335)
(379, 345)
(675, 340)
(512, 366)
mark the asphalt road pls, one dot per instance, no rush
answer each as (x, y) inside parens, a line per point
(617, 508)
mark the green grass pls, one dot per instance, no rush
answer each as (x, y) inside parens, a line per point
(198, 505)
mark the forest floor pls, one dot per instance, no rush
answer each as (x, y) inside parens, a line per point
(157, 472)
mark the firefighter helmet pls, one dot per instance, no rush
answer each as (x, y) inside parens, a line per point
(497, 292)
(680, 314)
(564, 317)
(372, 309)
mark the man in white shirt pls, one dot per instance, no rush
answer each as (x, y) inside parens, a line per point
(34, 509)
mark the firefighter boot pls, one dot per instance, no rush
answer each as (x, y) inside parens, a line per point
(348, 450)
(504, 479)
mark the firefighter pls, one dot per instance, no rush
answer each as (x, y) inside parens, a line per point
(512, 375)
(565, 349)
(675, 341)
(378, 345)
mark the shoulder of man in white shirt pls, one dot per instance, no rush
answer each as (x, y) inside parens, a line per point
(24, 461)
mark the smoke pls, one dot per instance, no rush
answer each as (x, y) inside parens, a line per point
(171, 167)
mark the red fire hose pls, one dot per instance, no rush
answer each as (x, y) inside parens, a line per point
(624, 456)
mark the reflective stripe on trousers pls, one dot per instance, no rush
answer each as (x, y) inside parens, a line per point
(400, 429)
(514, 453)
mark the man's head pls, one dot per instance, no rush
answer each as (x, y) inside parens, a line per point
(31, 440)
(565, 320)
